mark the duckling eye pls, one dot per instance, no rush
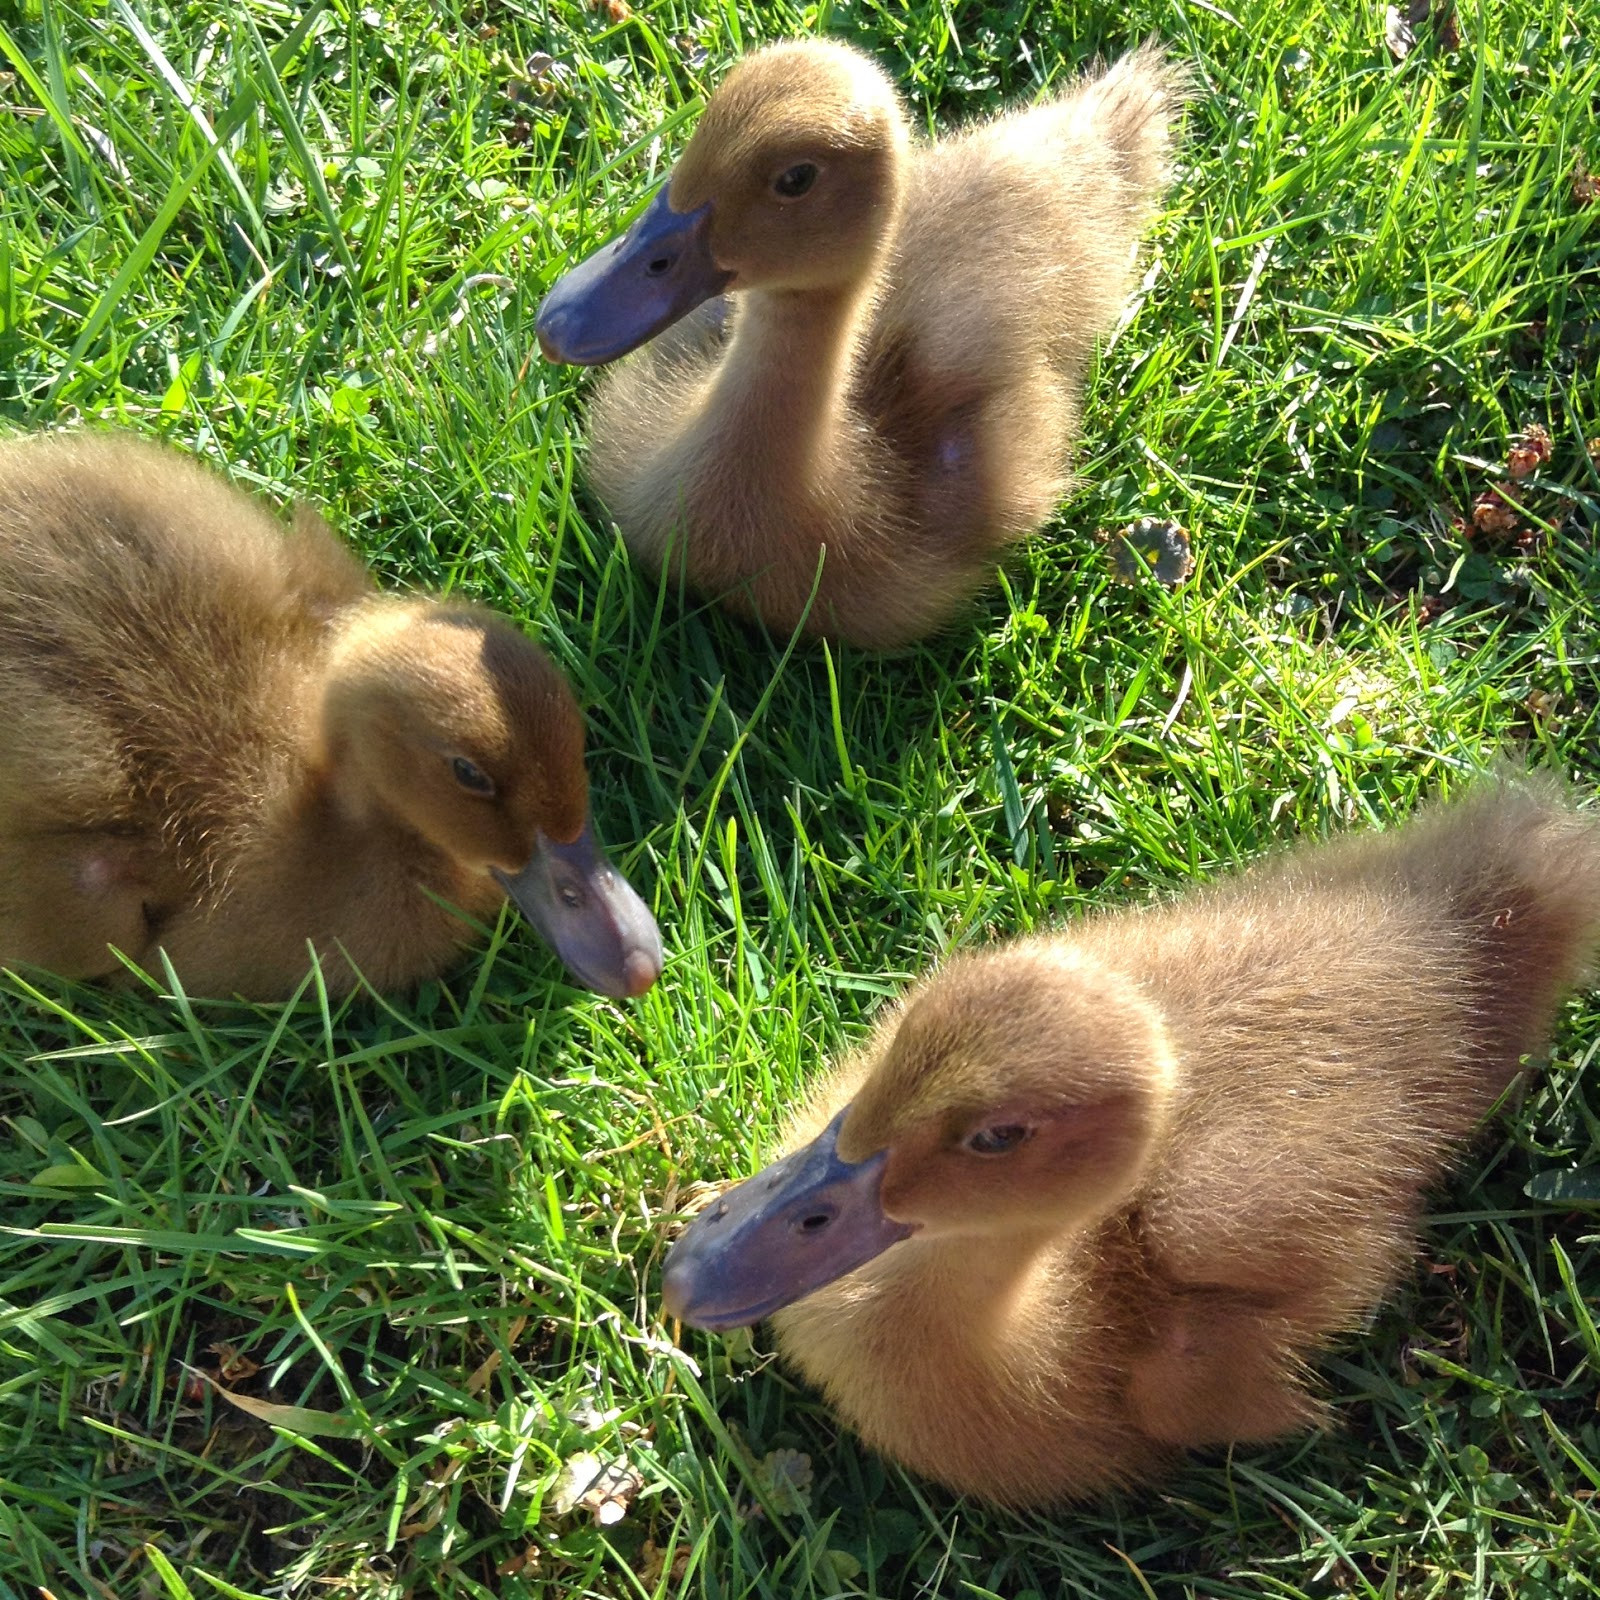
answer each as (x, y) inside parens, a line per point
(471, 777)
(796, 181)
(996, 1141)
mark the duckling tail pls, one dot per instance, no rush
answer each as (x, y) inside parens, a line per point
(1132, 110)
(1519, 869)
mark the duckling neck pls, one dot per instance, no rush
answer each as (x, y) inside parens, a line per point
(781, 400)
(980, 1286)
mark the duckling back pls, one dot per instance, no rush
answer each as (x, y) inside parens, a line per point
(152, 622)
(1514, 872)
(1465, 926)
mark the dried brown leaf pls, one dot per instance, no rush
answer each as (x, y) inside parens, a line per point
(611, 1494)
(232, 1365)
(1542, 706)
(424, 1524)
(684, 1205)
(444, 1471)
(1494, 513)
(486, 1369)
(605, 1489)
(653, 1564)
(525, 1561)
(297, 1419)
(1529, 451)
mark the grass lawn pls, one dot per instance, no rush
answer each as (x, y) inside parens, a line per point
(311, 244)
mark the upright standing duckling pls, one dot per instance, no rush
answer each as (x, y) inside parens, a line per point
(888, 396)
(1088, 1199)
(220, 741)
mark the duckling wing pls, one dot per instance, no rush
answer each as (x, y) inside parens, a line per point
(1316, 1038)
(80, 855)
(67, 895)
(1221, 1368)
(1015, 255)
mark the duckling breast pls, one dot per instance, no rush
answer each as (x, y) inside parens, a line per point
(1007, 1386)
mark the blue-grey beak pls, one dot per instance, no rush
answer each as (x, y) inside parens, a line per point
(632, 288)
(590, 914)
(803, 1222)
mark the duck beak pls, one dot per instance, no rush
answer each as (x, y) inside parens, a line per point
(803, 1222)
(632, 288)
(591, 916)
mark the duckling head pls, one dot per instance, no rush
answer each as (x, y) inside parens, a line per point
(463, 728)
(791, 182)
(1019, 1094)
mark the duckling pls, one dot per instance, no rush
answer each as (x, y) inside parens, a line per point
(881, 390)
(1090, 1199)
(221, 742)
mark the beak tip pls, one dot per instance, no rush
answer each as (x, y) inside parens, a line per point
(672, 1300)
(547, 330)
(640, 969)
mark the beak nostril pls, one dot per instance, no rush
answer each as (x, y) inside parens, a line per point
(660, 265)
(816, 1222)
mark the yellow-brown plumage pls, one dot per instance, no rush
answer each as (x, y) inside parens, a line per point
(1218, 1119)
(219, 740)
(893, 377)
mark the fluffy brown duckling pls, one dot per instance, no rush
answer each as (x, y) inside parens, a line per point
(221, 742)
(893, 380)
(1089, 1199)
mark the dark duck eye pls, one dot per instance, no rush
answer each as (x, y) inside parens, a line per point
(996, 1141)
(796, 181)
(471, 777)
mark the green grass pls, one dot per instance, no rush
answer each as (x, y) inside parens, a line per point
(312, 245)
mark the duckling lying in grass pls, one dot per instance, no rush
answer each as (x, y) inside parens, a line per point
(221, 742)
(890, 390)
(1089, 1199)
